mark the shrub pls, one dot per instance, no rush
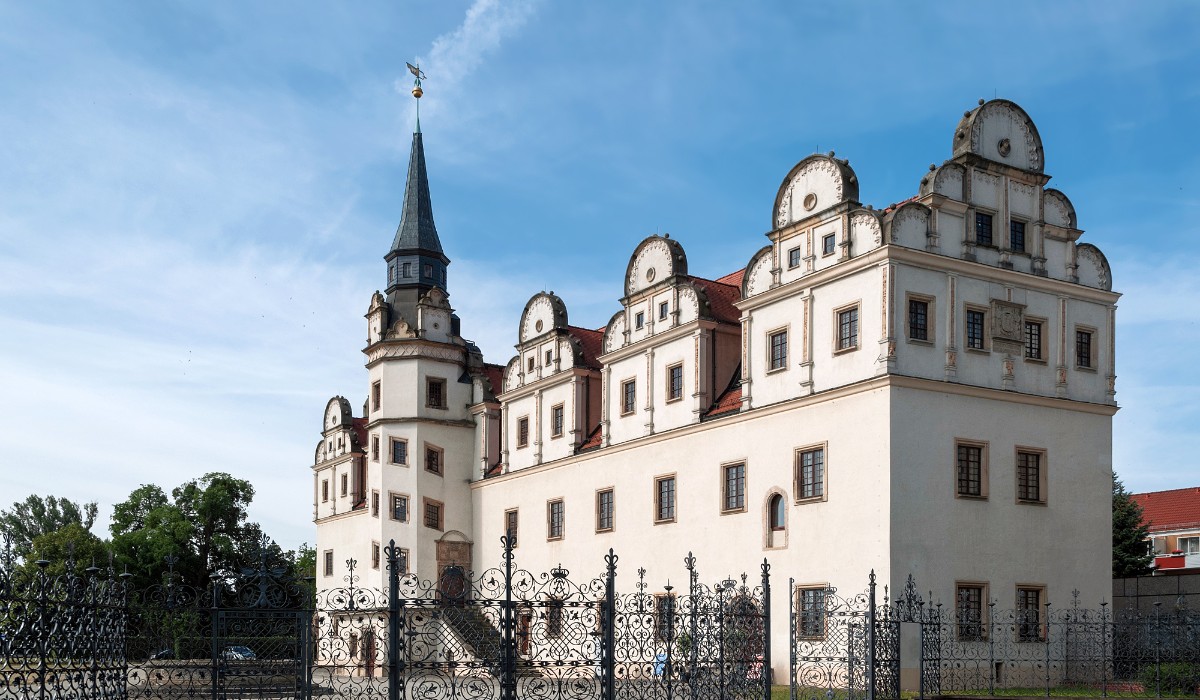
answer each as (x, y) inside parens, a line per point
(1175, 678)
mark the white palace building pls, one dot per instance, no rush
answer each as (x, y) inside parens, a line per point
(926, 389)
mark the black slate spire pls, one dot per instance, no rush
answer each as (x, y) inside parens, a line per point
(416, 230)
(415, 261)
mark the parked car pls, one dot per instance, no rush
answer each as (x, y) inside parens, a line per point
(237, 653)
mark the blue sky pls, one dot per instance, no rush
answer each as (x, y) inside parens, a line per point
(195, 197)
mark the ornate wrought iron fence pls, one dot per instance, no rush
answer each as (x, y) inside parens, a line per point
(259, 633)
(852, 646)
(61, 635)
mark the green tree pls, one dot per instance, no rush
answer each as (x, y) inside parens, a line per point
(69, 542)
(304, 561)
(38, 515)
(202, 524)
(1130, 554)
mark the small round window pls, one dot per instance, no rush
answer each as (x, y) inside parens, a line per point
(810, 201)
(650, 275)
(538, 326)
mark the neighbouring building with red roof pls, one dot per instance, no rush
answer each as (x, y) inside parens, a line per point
(923, 389)
(1173, 518)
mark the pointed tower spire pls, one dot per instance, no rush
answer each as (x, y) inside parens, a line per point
(417, 231)
(415, 261)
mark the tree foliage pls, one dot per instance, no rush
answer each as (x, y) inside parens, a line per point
(37, 515)
(203, 526)
(71, 542)
(304, 561)
(1130, 554)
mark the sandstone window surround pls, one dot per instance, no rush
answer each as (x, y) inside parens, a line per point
(777, 350)
(664, 499)
(810, 601)
(921, 319)
(846, 325)
(604, 509)
(555, 513)
(510, 526)
(810, 474)
(1035, 339)
(733, 487)
(1085, 348)
(523, 432)
(399, 451)
(628, 396)
(675, 382)
(1031, 475)
(434, 514)
(971, 469)
(435, 392)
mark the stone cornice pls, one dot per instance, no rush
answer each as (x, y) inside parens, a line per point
(681, 331)
(882, 382)
(937, 263)
(452, 422)
(544, 383)
(334, 461)
(340, 516)
(414, 347)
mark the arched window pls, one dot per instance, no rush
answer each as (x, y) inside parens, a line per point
(776, 513)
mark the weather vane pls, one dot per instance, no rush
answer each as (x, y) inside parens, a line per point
(417, 91)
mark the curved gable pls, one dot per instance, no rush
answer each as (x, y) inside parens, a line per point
(655, 259)
(816, 183)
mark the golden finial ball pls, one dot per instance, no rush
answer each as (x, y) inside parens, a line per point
(417, 92)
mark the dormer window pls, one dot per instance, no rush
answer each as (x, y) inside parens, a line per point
(639, 320)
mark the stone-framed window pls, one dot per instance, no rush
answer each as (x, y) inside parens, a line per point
(983, 229)
(1031, 475)
(555, 514)
(810, 474)
(557, 418)
(810, 601)
(604, 510)
(523, 432)
(675, 382)
(971, 469)
(733, 487)
(435, 392)
(435, 513)
(846, 318)
(777, 350)
(664, 499)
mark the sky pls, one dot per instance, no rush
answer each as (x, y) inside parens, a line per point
(195, 198)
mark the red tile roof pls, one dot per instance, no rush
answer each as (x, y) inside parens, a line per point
(733, 278)
(721, 297)
(1170, 510)
(593, 440)
(360, 431)
(729, 402)
(592, 343)
(495, 376)
(899, 204)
